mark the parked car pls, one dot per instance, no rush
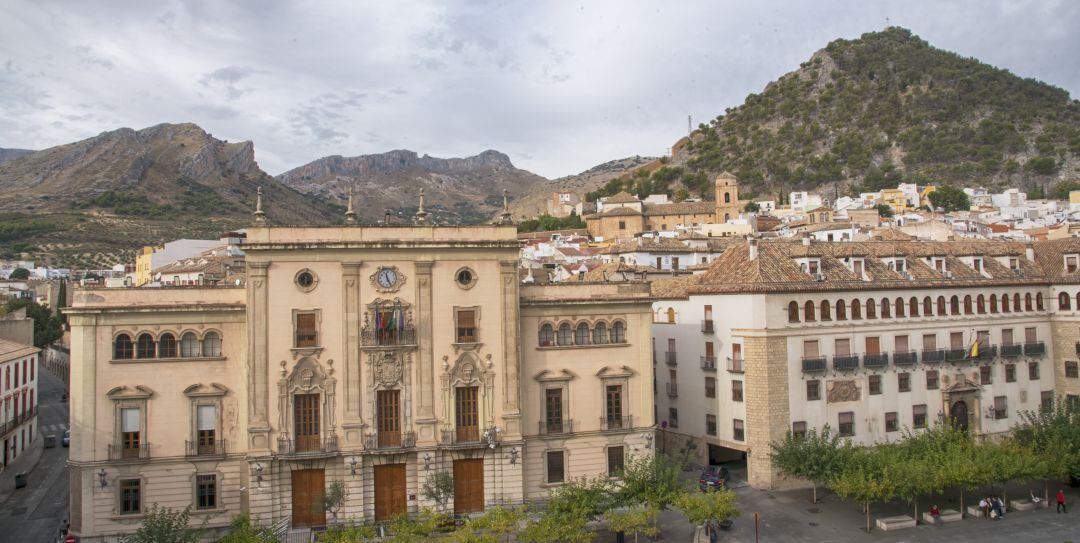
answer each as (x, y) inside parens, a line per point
(712, 478)
(50, 441)
(66, 440)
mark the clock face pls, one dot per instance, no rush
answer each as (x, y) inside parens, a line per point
(386, 278)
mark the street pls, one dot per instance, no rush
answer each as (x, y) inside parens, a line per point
(35, 513)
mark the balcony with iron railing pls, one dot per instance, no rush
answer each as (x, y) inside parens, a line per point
(905, 358)
(735, 365)
(137, 452)
(611, 424)
(1034, 348)
(673, 390)
(388, 338)
(846, 362)
(205, 448)
(708, 363)
(987, 353)
(308, 445)
(17, 420)
(1012, 350)
(390, 441)
(670, 358)
(814, 364)
(461, 435)
(956, 355)
(555, 427)
(707, 326)
(931, 356)
(876, 360)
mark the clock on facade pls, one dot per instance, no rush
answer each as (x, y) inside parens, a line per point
(387, 279)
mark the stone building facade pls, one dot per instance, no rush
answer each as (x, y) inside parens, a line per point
(365, 358)
(867, 337)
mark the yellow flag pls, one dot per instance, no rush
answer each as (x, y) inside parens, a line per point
(974, 351)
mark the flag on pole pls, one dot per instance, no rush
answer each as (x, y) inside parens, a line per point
(973, 352)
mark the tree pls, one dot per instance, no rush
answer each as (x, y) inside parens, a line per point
(635, 520)
(334, 498)
(47, 328)
(703, 507)
(61, 301)
(817, 457)
(242, 530)
(407, 530)
(950, 198)
(19, 274)
(862, 481)
(557, 527)
(439, 488)
(1053, 433)
(752, 207)
(348, 533)
(884, 211)
(501, 521)
(164, 525)
(681, 194)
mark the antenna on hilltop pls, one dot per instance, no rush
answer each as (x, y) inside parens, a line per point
(689, 126)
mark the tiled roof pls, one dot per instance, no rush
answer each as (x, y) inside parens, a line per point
(673, 288)
(776, 269)
(614, 212)
(1050, 255)
(661, 245)
(11, 349)
(621, 197)
(681, 208)
(890, 234)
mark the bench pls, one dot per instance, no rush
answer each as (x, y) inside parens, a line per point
(947, 516)
(1021, 505)
(895, 523)
(974, 511)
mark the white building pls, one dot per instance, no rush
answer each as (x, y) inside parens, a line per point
(804, 201)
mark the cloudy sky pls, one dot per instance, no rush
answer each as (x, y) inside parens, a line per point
(558, 86)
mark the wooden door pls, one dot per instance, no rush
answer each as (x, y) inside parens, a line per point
(389, 491)
(553, 410)
(308, 488)
(306, 419)
(467, 411)
(389, 418)
(469, 485)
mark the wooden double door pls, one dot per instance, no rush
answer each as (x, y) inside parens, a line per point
(390, 492)
(469, 485)
(308, 489)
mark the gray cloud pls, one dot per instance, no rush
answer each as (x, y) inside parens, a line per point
(559, 86)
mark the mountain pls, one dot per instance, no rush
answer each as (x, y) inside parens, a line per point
(9, 154)
(100, 198)
(868, 113)
(535, 201)
(457, 190)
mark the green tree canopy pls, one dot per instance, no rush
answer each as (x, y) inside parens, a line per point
(19, 274)
(950, 198)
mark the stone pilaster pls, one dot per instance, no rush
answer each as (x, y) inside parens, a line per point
(767, 405)
(1064, 334)
(511, 382)
(258, 357)
(425, 360)
(351, 425)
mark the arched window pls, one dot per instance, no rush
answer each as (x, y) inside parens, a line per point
(980, 304)
(1016, 302)
(581, 334)
(993, 303)
(841, 310)
(1005, 303)
(885, 311)
(941, 306)
(927, 307)
(144, 346)
(566, 334)
(856, 310)
(793, 312)
(913, 307)
(967, 304)
(189, 345)
(167, 346)
(547, 335)
(727, 197)
(826, 310)
(1039, 302)
(898, 308)
(211, 344)
(871, 309)
(599, 333)
(1063, 301)
(1027, 302)
(122, 347)
(671, 315)
(618, 332)
(954, 304)
(809, 311)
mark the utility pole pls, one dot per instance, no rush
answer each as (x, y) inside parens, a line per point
(689, 126)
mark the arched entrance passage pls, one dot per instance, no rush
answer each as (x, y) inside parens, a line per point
(958, 414)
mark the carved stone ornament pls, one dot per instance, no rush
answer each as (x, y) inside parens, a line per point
(843, 391)
(388, 369)
(387, 279)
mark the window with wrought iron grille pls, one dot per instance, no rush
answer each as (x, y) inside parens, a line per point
(206, 491)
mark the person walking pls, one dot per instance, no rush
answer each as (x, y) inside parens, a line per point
(984, 505)
(1061, 502)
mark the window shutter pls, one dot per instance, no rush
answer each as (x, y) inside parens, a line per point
(207, 417)
(129, 420)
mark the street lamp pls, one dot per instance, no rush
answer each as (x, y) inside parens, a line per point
(352, 465)
(257, 472)
(101, 478)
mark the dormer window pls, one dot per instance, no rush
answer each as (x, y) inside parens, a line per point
(1072, 263)
(939, 264)
(812, 266)
(977, 264)
(1014, 263)
(898, 265)
(857, 266)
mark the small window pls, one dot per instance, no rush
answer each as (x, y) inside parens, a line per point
(710, 387)
(847, 424)
(206, 491)
(464, 277)
(1071, 263)
(307, 334)
(793, 312)
(710, 425)
(1046, 402)
(547, 335)
(1072, 369)
(144, 346)
(1063, 301)
(1010, 373)
(918, 416)
(673, 417)
(903, 382)
(736, 391)
(211, 344)
(466, 326)
(1001, 407)
(875, 385)
(616, 461)
(600, 333)
(986, 376)
(123, 348)
(618, 332)
(566, 334)
(738, 430)
(167, 346)
(190, 346)
(581, 334)
(622, 225)
(130, 497)
(932, 380)
(813, 390)
(671, 315)
(305, 280)
(555, 471)
(798, 428)
(1033, 371)
(891, 422)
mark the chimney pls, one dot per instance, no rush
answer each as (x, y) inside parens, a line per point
(806, 239)
(1030, 250)
(753, 248)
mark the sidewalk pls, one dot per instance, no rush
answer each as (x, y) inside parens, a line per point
(25, 462)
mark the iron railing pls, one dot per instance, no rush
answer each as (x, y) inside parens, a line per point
(390, 440)
(616, 423)
(1012, 350)
(956, 355)
(708, 363)
(138, 452)
(1034, 348)
(847, 362)
(671, 358)
(735, 365)
(707, 326)
(554, 427)
(461, 435)
(673, 390)
(379, 338)
(211, 448)
(308, 445)
(876, 360)
(815, 364)
(905, 358)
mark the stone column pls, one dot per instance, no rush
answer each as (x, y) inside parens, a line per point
(258, 357)
(353, 314)
(425, 359)
(511, 385)
(768, 412)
